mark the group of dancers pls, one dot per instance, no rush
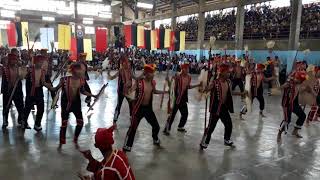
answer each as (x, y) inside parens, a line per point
(223, 74)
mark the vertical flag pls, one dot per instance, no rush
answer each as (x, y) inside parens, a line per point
(87, 46)
(167, 37)
(24, 29)
(176, 41)
(80, 45)
(19, 34)
(101, 39)
(46, 37)
(64, 36)
(134, 35)
(182, 41)
(147, 40)
(73, 49)
(153, 40)
(127, 35)
(140, 36)
(11, 35)
(172, 40)
(161, 38)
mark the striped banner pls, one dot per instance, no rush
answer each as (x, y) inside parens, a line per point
(64, 37)
(101, 39)
(87, 47)
(140, 37)
(182, 46)
(46, 37)
(11, 35)
(153, 40)
(127, 35)
(167, 37)
(24, 29)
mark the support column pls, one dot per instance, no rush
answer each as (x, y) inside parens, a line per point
(136, 11)
(153, 13)
(110, 40)
(123, 12)
(239, 27)
(201, 29)
(296, 10)
(173, 15)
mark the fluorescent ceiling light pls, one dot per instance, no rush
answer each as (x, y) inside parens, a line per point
(47, 18)
(89, 30)
(105, 15)
(7, 13)
(87, 21)
(64, 12)
(96, 0)
(144, 5)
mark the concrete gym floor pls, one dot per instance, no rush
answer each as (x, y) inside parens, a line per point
(33, 156)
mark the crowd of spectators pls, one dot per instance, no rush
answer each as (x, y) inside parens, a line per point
(261, 21)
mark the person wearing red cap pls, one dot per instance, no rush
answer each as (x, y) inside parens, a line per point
(290, 103)
(221, 104)
(114, 166)
(72, 86)
(182, 85)
(124, 84)
(10, 75)
(35, 80)
(142, 107)
(84, 67)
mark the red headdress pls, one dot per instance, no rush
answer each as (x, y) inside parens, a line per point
(104, 138)
(316, 69)
(12, 57)
(260, 66)
(185, 66)
(223, 68)
(149, 68)
(38, 59)
(300, 75)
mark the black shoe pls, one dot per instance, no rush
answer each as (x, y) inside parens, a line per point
(202, 147)
(166, 133)
(25, 126)
(156, 142)
(126, 149)
(228, 143)
(4, 125)
(37, 128)
(182, 130)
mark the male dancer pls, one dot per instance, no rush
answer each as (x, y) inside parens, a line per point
(10, 77)
(35, 80)
(182, 85)
(290, 103)
(142, 107)
(124, 84)
(257, 81)
(221, 104)
(237, 76)
(315, 110)
(115, 164)
(84, 67)
(70, 100)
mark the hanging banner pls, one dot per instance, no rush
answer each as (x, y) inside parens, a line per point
(182, 46)
(64, 37)
(161, 38)
(19, 34)
(147, 40)
(24, 29)
(153, 40)
(87, 46)
(167, 38)
(11, 35)
(176, 41)
(73, 49)
(101, 40)
(46, 37)
(140, 37)
(127, 35)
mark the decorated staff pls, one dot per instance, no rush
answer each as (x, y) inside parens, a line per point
(12, 90)
(65, 60)
(164, 87)
(98, 96)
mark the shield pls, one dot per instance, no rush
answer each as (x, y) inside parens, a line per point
(202, 79)
(247, 88)
(172, 96)
(56, 98)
